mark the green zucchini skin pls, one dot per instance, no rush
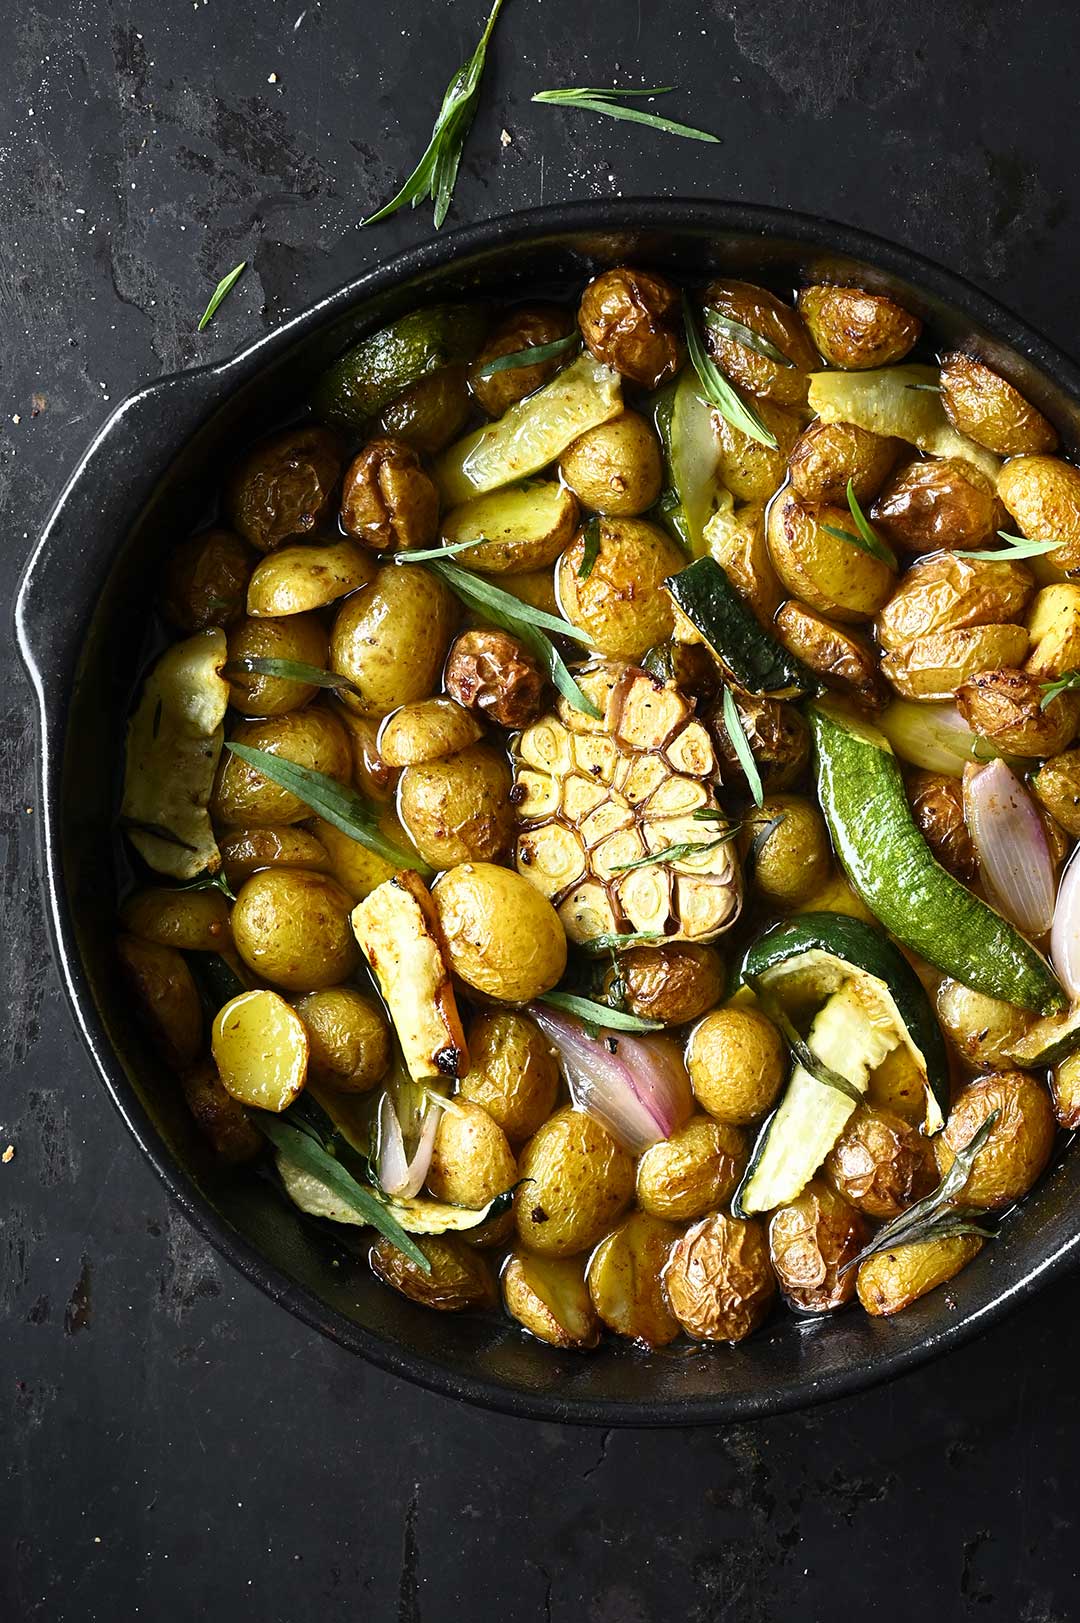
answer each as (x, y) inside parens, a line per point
(755, 659)
(368, 376)
(893, 869)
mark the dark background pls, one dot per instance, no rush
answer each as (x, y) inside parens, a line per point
(173, 1446)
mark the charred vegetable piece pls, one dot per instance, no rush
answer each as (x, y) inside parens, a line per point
(755, 659)
(368, 376)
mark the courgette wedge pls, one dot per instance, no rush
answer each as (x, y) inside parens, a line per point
(891, 866)
(1048, 1041)
(368, 376)
(809, 958)
(755, 659)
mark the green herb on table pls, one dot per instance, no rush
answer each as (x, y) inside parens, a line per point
(1016, 546)
(221, 293)
(609, 102)
(590, 549)
(1067, 682)
(866, 537)
(288, 670)
(536, 355)
(725, 327)
(716, 388)
(740, 744)
(598, 1015)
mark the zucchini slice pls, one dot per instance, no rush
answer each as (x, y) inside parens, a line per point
(755, 659)
(1048, 1041)
(810, 958)
(891, 866)
(368, 376)
(693, 453)
(418, 1216)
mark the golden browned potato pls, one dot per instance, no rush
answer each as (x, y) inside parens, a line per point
(348, 1038)
(778, 736)
(1065, 1092)
(429, 413)
(737, 1061)
(580, 1181)
(426, 731)
(530, 326)
(770, 318)
(891, 1280)
(630, 320)
(1043, 495)
(625, 1280)
(1005, 707)
(166, 999)
(827, 455)
(284, 486)
(898, 1084)
(548, 1296)
(260, 1048)
(1019, 1144)
(516, 529)
(950, 592)
(493, 673)
(856, 329)
(296, 580)
(810, 1240)
(219, 1117)
(937, 804)
(737, 541)
(1053, 625)
(388, 502)
(694, 1171)
(620, 605)
(458, 809)
(719, 1282)
(830, 574)
(390, 639)
(836, 896)
(670, 983)
(300, 638)
(313, 738)
(793, 861)
(881, 1164)
(985, 406)
(933, 667)
(938, 502)
(206, 579)
(190, 920)
(247, 850)
(842, 658)
(372, 775)
(472, 1161)
(292, 927)
(513, 1073)
(750, 470)
(615, 468)
(980, 1028)
(502, 937)
(356, 868)
(460, 1276)
(1057, 785)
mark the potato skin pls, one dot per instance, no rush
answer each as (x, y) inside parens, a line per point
(357, 869)
(843, 660)
(694, 1171)
(826, 455)
(348, 1038)
(299, 637)
(527, 327)
(1019, 1144)
(220, 1118)
(460, 1276)
(615, 468)
(472, 1161)
(980, 1028)
(1065, 1092)
(291, 927)
(513, 1072)
(989, 410)
(737, 1062)
(625, 1280)
(769, 317)
(502, 937)
(189, 920)
(671, 984)
(296, 580)
(939, 502)
(581, 1181)
(897, 1085)
(1043, 495)
(933, 667)
(526, 528)
(429, 730)
(740, 547)
(750, 470)
(206, 580)
(855, 329)
(242, 797)
(1053, 624)
(810, 1240)
(245, 850)
(548, 1296)
(430, 413)
(950, 592)
(284, 485)
(458, 809)
(493, 673)
(937, 804)
(719, 1281)
(621, 605)
(391, 638)
(388, 502)
(881, 1164)
(834, 576)
(891, 1280)
(1003, 707)
(1057, 785)
(778, 736)
(629, 319)
(166, 1000)
(796, 858)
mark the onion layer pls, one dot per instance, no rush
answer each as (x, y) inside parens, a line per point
(1010, 840)
(1065, 935)
(398, 1176)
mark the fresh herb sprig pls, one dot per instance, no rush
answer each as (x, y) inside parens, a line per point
(763, 836)
(741, 745)
(725, 327)
(866, 537)
(1016, 546)
(221, 293)
(210, 881)
(609, 102)
(288, 670)
(716, 388)
(598, 1015)
(436, 173)
(621, 943)
(679, 852)
(535, 355)
(590, 550)
(1067, 682)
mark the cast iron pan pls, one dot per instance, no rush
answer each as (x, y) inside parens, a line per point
(81, 613)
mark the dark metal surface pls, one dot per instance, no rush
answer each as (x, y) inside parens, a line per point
(228, 1460)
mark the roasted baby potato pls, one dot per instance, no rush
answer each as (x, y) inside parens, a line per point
(372, 775)
(791, 862)
(312, 738)
(810, 1240)
(985, 406)
(429, 730)
(284, 485)
(718, 1279)
(630, 320)
(694, 1171)
(842, 659)
(625, 1280)
(390, 639)
(524, 527)
(672, 984)
(1053, 625)
(220, 1118)
(460, 1276)
(205, 580)
(1005, 707)
(950, 592)
(296, 580)
(429, 413)
(348, 1038)
(898, 1085)
(388, 502)
(1043, 495)
(737, 1062)
(502, 937)
(620, 605)
(933, 667)
(830, 574)
(356, 867)
(165, 996)
(529, 326)
(190, 920)
(1020, 1140)
(770, 318)
(736, 539)
(855, 329)
(980, 1028)
(1065, 1092)
(776, 732)
(260, 1048)
(937, 804)
(548, 1296)
(514, 1075)
(291, 927)
(472, 1161)
(826, 456)
(300, 638)
(494, 674)
(615, 468)
(891, 1280)
(939, 502)
(749, 470)
(577, 1182)
(881, 1164)
(246, 850)
(1057, 785)
(458, 809)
